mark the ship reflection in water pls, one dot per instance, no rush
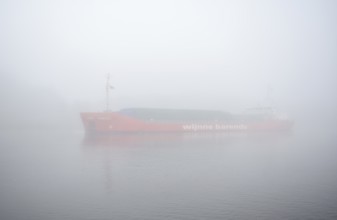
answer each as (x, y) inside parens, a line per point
(212, 176)
(66, 175)
(177, 139)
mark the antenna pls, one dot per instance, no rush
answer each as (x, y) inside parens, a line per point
(108, 87)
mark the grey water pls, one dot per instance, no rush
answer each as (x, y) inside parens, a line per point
(68, 175)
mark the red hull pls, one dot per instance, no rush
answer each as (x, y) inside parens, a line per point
(115, 122)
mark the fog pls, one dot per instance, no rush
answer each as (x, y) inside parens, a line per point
(188, 54)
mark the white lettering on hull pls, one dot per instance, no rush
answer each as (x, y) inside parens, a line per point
(214, 127)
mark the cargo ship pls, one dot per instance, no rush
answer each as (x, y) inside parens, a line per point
(144, 120)
(141, 120)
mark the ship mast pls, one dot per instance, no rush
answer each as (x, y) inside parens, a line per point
(108, 87)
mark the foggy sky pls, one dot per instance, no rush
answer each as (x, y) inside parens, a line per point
(166, 53)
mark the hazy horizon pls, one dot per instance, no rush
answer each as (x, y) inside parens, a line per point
(180, 54)
(226, 55)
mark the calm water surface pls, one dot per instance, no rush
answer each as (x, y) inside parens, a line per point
(65, 175)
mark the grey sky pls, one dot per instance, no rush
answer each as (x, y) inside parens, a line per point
(228, 50)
